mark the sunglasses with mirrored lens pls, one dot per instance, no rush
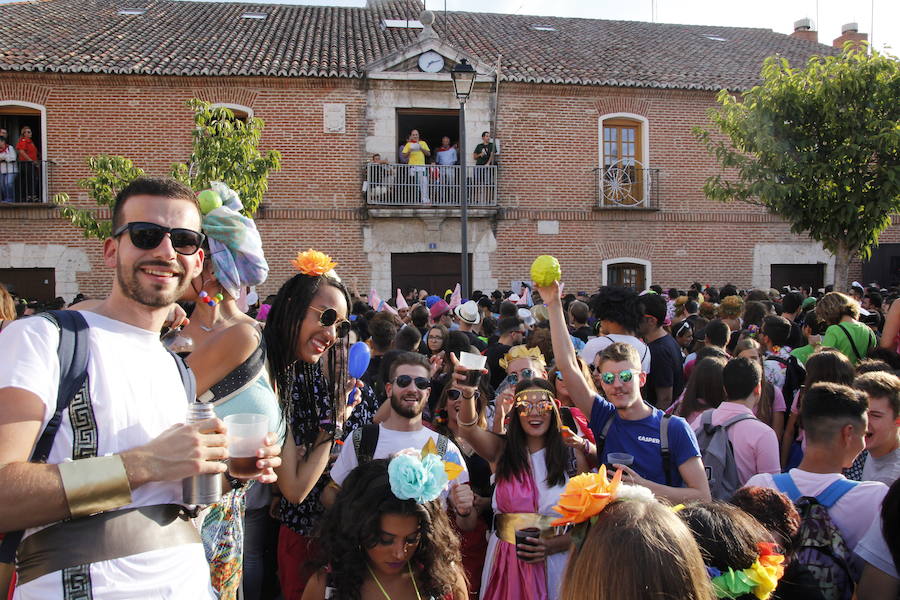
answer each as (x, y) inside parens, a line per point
(624, 376)
(328, 317)
(513, 378)
(402, 381)
(539, 409)
(148, 236)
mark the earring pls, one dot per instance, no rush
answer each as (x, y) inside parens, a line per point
(211, 300)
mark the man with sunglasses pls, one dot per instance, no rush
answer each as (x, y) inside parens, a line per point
(121, 444)
(666, 457)
(408, 387)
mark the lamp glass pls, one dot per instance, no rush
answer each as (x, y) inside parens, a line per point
(463, 79)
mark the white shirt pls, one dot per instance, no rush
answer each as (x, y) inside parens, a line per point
(598, 344)
(391, 441)
(853, 514)
(136, 394)
(874, 550)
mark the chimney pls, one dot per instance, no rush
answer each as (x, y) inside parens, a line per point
(849, 33)
(804, 30)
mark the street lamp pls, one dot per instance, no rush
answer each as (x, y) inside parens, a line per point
(463, 81)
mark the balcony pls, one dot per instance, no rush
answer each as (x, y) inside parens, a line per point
(24, 182)
(408, 190)
(628, 185)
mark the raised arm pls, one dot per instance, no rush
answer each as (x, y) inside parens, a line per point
(489, 446)
(564, 352)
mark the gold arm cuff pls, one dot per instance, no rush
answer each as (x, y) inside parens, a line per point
(94, 485)
(507, 523)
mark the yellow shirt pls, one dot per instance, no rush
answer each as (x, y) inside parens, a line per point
(416, 157)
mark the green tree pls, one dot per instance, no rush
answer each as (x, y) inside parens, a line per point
(224, 149)
(819, 146)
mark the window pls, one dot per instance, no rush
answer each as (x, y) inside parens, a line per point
(30, 182)
(241, 113)
(627, 272)
(623, 175)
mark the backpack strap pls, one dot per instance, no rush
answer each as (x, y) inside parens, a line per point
(365, 440)
(601, 438)
(737, 419)
(850, 338)
(664, 447)
(785, 484)
(442, 444)
(72, 353)
(777, 359)
(835, 492)
(187, 377)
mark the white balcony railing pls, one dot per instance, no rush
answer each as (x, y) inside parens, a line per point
(428, 185)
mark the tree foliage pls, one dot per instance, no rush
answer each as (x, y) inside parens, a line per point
(224, 148)
(818, 146)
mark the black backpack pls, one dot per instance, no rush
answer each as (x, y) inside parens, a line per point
(794, 375)
(365, 440)
(73, 357)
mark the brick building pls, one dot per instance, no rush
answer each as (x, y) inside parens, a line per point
(597, 163)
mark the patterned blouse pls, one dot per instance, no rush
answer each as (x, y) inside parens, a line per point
(303, 518)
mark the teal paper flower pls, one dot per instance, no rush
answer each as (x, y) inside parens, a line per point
(414, 479)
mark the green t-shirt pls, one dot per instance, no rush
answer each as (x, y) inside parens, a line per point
(484, 153)
(863, 339)
(803, 353)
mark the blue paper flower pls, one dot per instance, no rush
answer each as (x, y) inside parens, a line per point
(415, 479)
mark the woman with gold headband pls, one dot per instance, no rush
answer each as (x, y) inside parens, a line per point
(533, 465)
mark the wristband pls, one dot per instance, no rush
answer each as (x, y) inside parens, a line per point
(94, 485)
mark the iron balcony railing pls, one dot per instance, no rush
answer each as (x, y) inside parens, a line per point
(428, 185)
(24, 181)
(629, 186)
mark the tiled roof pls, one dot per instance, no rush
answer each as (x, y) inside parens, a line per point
(211, 38)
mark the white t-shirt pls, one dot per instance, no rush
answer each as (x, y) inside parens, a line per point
(598, 344)
(874, 550)
(136, 393)
(885, 469)
(389, 442)
(853, 514)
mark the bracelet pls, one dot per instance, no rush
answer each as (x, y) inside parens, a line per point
(586, 447)
(469, 424)
(94, 485)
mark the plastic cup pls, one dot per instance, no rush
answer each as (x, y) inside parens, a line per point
(246, 434)
(526, 532)
(619, 458)
(473, 363)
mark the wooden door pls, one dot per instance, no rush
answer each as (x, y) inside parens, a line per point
(433, 271)
(33, 284)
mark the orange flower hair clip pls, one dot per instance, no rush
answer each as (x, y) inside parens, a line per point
(313, 263)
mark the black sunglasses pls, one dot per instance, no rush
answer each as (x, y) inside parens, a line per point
(148, 236)
(402, 381)
(328, 317)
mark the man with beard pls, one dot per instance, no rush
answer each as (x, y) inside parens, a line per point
(407, 388)
(111, 486)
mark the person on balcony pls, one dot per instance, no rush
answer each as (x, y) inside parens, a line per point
(380, 176)
(484, 155)
(8, 170)
(30, 168)
(447, 156)
(415, 151)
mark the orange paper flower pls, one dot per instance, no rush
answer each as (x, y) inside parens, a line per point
(313, 263)
(585, 496)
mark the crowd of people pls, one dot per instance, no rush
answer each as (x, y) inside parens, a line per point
(20, 167)
(711, 443)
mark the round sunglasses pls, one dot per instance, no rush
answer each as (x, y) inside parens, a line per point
(402, 381)
(513, 378)
(624, 376)
(328, 317)
(148, 236)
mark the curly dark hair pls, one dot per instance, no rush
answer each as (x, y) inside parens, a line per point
(352, 525)
(773, 510)
(280, 337)
(619, 305)
(514, 459)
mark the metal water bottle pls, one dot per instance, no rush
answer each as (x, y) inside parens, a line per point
(206, 488)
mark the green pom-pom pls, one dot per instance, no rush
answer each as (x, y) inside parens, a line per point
(209, 200)
(545, 270)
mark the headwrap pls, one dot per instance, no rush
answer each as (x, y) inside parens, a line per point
(235, 246)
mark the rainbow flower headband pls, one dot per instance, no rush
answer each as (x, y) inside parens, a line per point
(760, 578)
(315, 264)
(422, 475)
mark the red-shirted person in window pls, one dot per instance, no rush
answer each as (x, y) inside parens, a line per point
(29, 182)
